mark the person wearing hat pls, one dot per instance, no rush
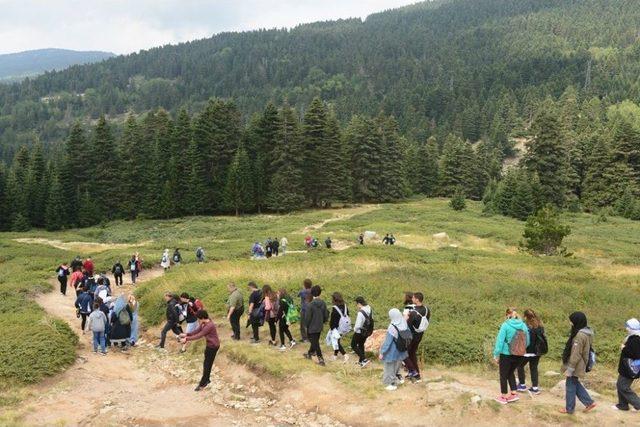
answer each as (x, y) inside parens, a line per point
(630, 350)
(360, 332)
(390, 355)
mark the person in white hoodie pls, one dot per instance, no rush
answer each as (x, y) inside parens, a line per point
(283, 245)
(362, 330)
(165, 262)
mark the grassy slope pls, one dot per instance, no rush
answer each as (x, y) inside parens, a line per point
(467, 287)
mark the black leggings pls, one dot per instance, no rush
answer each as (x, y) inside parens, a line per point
(272, 328)
(84, 320)
(283, 329)
(314, 339)
(357, 344)
(340, 349)
(118, 278)
(533, 367)
(255, 326)
(63, 284)
(508, 366)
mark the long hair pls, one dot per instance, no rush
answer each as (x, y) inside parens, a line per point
(268, 292)
(532, 319)
(408, 298)
(337, 298)
(511, 313)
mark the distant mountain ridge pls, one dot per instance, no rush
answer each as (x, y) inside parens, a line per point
(17, 66)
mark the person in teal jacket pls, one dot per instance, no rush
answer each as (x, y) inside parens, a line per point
(507, 362)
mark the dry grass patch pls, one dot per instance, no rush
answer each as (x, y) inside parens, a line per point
(79, 247)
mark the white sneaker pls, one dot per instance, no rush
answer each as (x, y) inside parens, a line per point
(346, 358)
(292, 343)
(334, 358)
(391, 387)
(283, 348)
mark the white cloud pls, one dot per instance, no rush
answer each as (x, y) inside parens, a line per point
(124, 26)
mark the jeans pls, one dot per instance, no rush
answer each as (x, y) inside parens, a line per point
(272, 328)
(283, 329)
(63, 284)
(118, 278)
(314, 348)
(391, 370)
(209, 357)
(533, 367)
(169, 326)
(508, 366)
(411, 362)
(357, 344)
(235, 322)
(303, 329)
(134, 274)
(99, 339)
(626, 396)
(575, 388)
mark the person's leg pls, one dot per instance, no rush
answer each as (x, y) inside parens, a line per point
(83, 323)
(96, 339)
(272, 329)
(209, 357)
(358, 346)
(103, 342)
(522, 375)
(340, 348)
(570, 394)
(256, 331)
(281, 326)
(514, 362)
(503, 365)
(303, 329)
(163, 335)
(389, 373)
(315, 340)
(582, 393)
(287, 332)
(533, 367)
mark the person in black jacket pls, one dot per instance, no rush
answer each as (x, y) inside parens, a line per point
(281, 317)
(118, 271)
(630, 350)
(173, 320)
(537, 347)
(316, 315)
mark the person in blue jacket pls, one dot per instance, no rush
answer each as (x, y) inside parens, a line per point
(389, 354)
(508, 338)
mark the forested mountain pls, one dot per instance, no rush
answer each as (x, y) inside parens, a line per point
(17, 66)
(418, 100)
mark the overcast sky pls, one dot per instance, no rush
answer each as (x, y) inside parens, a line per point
(124, 26)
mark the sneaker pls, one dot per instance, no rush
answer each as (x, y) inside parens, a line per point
(401, 381)
(293, 342)
(346, 358)
(202, 387)
(590, 407)
(334, 357)
(391, 387)
(513, 398)
(283, 348)
(618, 408)
(501, 400)
(522, 388)
(534, 390)
(364, 363)
(321, 363)
(306, 356)
(103, 353)
(416, 379)
(254, 341)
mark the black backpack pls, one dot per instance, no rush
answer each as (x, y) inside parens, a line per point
(541, 347)
(403, 342)
(117, 270)
(367, 326)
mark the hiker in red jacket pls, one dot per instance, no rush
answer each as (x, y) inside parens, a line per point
(208, 331)
(88, 266)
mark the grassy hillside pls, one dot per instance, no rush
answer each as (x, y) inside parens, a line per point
(468, 280)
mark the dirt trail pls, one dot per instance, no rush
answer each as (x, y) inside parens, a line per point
(344, 214)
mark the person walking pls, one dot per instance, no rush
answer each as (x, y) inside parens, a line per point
(121, 323)
(173, 319)
(575, 360)
(76, 280)
(235, 308)
(361, 239)
(63, 275)
(271, 307)
(511, 345)
(200, 255)
(76, 263)
(188, 307)
(88, 266)
(284, 242)
(83, 304)
(362, 329)
(537, 347)
(418, 320)
(177, 258)
(98, 326)
(630, 352)
(276, 246)
(165, 262)
(328, 242)
(394, 350)
(133, 268)
(256, 311)
(316, 316)
(133, 307)
(207, 330)
(305, 298)
(339, 325)
(283, 326)
(117, 270)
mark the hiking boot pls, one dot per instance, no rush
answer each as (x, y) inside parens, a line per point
(283, 348)
(534, 390)
(513, 398)
(522, 388)
(501, 400)
(391, 387)
(590, 407)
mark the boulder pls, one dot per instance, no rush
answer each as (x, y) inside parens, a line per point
(441, 236)
(370, 235)
(374, 342)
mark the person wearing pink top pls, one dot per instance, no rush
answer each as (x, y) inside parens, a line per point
(207, 330)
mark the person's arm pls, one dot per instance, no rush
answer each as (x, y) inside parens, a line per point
(359, 322)
(527, 334)
(500, 338)
(576, 354)
(200, 332)
(386, 345)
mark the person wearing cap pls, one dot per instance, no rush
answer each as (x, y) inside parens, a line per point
(630, 349)
(389, 353)
(359, 335)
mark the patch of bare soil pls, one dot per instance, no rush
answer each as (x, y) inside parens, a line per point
(340, 215)
(80, 247)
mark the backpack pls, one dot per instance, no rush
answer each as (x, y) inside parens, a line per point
(182, 315)
(118, 270)
(367, 326)
(198, 305)
(518, 344)
(542, 347)
(424, 321)
(123, 317)
(292, 315)
(164, 259)
(344, 325)
(199, 253)
(403, 342)
(592, 360)
(632, 366)
(176, 258)
(132, 266)
(257, 314)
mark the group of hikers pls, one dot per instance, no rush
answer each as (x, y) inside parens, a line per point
(80, 274)
(522, 342)
(166, 261)
(271, 247)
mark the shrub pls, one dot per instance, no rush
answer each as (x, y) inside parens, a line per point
(543, 232)
(458, 201)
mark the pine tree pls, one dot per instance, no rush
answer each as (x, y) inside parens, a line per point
(605, 179)
(160, 167)
(364, 144)
(489, 199)
(471, 122)
(457, 167)
(505, 192)
(36, 187)
(88, 211)
(5, 211)
(523, 200)
(428, 167)
(179, 164)
(336, 186)
(109, 179)
(132, 172)
(286, 192)
(392, 180)
(54, 213)
(626, 147)
(20, 223)
(261, 147)
(73, 174)
(239, 184)
(314, 137)
(17, 183)
(196, 189)
(458, 202)
(546, 156)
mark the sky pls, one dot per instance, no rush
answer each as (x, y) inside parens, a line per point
(125, 26)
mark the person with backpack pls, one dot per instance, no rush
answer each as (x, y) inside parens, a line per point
(187, 306)
(361, 239)
(256, 312)
(394, 349)
(629, 368)
(200, 255)
(362, 329)
(418, 320)
(177, 258)
(537, 347)
(121, 323)
(284, 242)
(316, 316)
(285, 316)
(88, 266)
(271, 307)
(76, 263)
(385, 240)
(102, 291)
(98, 325)
(133, 307)
(84, 303)
(328, 242)
(511, 345)
(63, 274)
(235, 308)
(173, 320)
(133, 269)
(165, 262)
(275, 246)
(339, 326)
(577, 360)
(305, 297)
(268, 246)
(118, 271)
(207, 330)
(392, 240)
(76, 280)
